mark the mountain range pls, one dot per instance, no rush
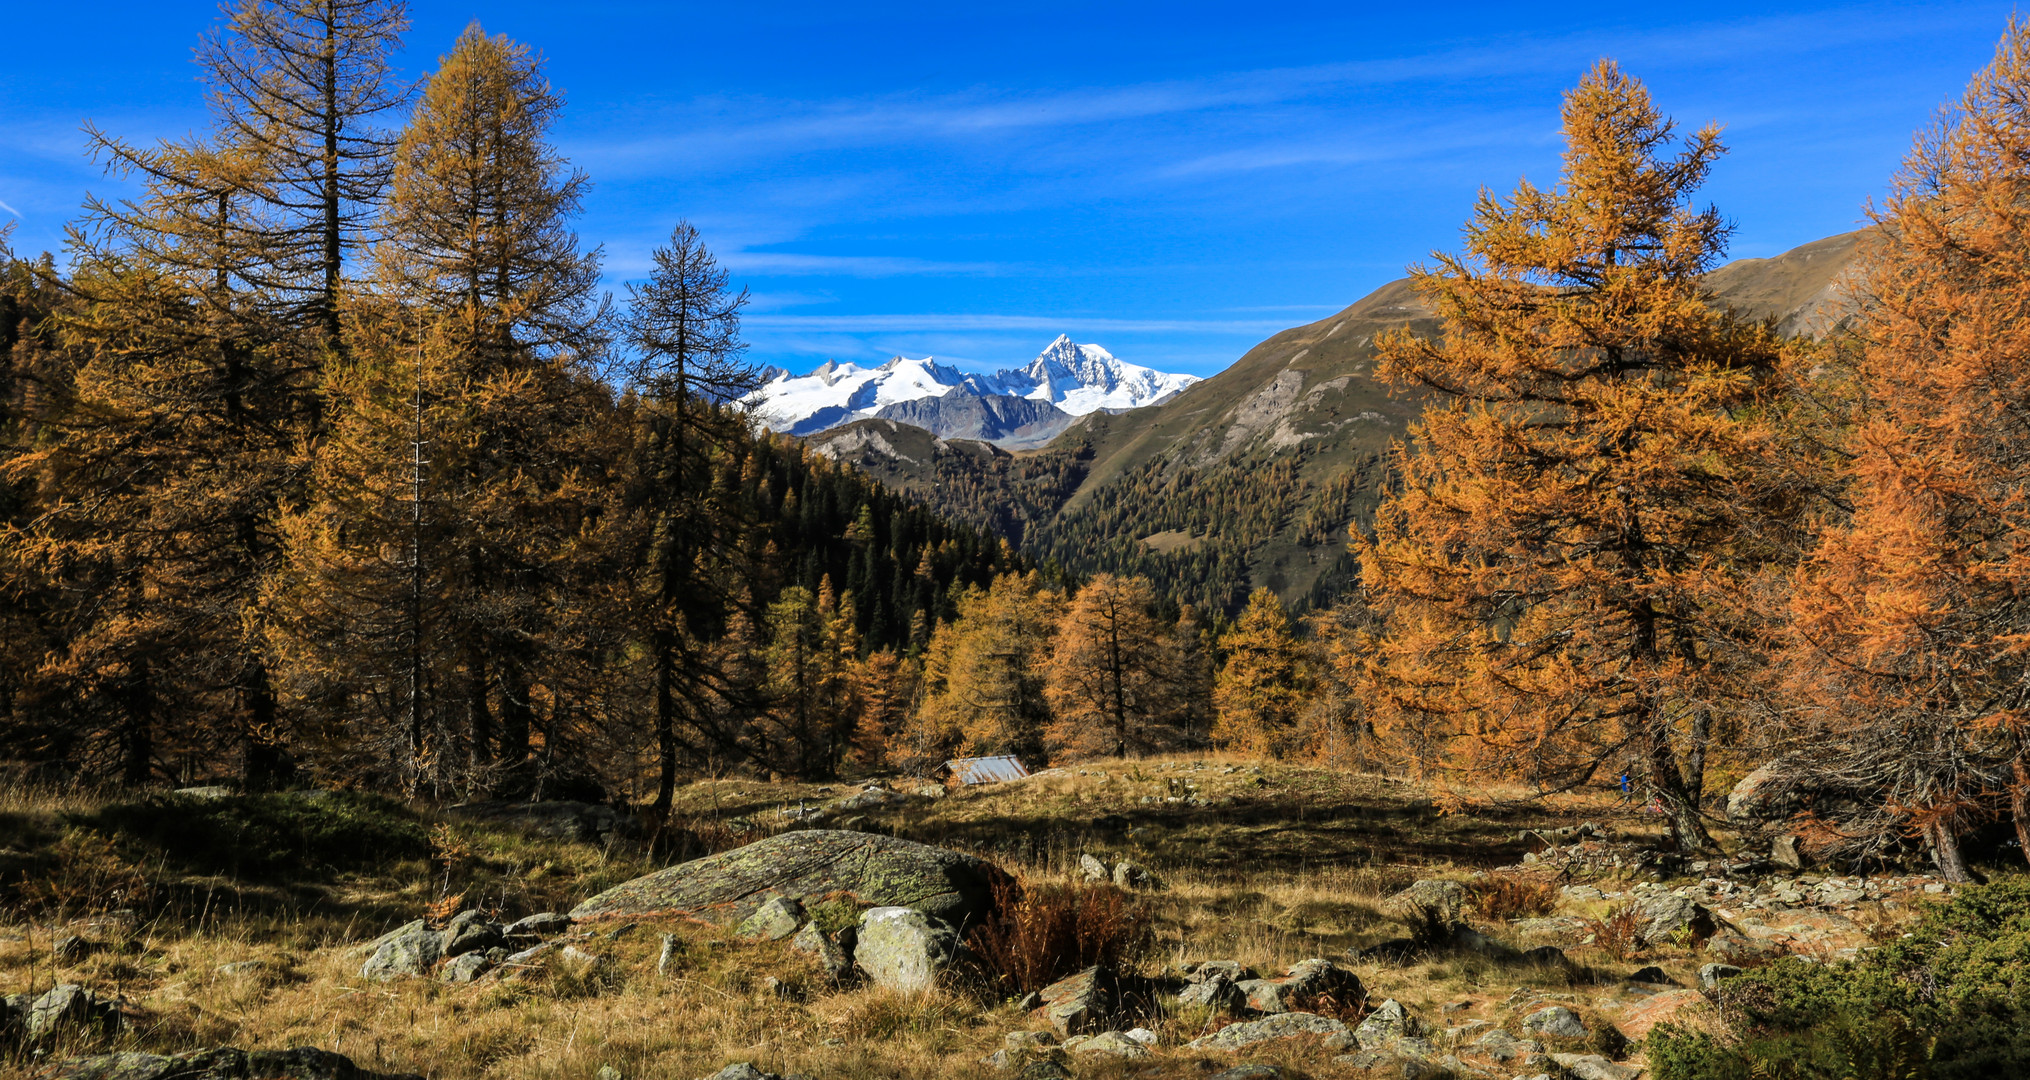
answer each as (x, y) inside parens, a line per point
(1015, 408)
(1250, 477)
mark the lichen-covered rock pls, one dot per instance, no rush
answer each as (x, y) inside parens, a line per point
(1217, 990)
(540, 925)
(1763, 797)
(1671, 917)
(1555, 1021)
(1504, 1047)
(777, 919)
(873, 870)
(1388, 1024)
(1113, 1044)
(412, 950)
(1594, 1067)
(1281, 1026)
(904, 949)
(1711, 974)
(68, 1005)
(465, 968)
(1083, 1002)
(223, 1063)
(469, 931)
(1306, 985)
(1093, 869)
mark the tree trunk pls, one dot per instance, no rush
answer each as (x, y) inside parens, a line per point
(666, 727)
(1695, 756)
(1667, 785)
(264, 765)
(1945, 852)
(2019, 804)
(137, 735)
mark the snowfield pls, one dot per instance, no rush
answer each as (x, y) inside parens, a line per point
(1077, 379)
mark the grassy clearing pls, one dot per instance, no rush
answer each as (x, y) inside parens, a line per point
(1268, 864)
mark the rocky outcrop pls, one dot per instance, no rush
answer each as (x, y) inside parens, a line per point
(67, 1005)
(224, 1063)
(1081, 1003)
(871, 870)
(585, 823)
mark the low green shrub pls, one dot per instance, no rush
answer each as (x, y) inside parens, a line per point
(282, 834)
(1949, 1002)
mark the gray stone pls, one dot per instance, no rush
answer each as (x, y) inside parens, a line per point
(1307, 985)
(412, 950)
(474, 934)
(1504, 1047)
(902, 948)
(1134, 876)
(1653, 975)
(741, 1070)
(465, 968)
(585, 823)
(1081, 1003)
(1093, 869)
(672, 945)
(1113, 1044)
(831, 955)
(608, 1072)
(1281, 1026)
(1546, 956)
(1388, 1024)
(1670, 917)
(874, 870)
(70, 948)
(68, 1005)
(527, 956)
(540, 925)
(205, 791)
(1431, 905)
(1711, 974)
(223, 1063)
(772, 921)
(1555, 1021)
(1252, 1071)
(1217, 991)
(1231, 970)
(240, 967)
(572, 954)
(1024, 1040)
(1787, 853)
(1594, 1067)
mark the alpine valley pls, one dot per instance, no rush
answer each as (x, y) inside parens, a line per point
(1249, 478)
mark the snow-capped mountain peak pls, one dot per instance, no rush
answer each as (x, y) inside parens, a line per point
(1070, 378)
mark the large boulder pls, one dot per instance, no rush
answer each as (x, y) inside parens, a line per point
(68, 1005)
(904, 949)
(812, 865)
(1671, 916)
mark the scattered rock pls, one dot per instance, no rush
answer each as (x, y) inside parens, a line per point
(1555, 1021)
(1711, 974)
(1093, 869)
(1787, 852)
(1306, 985)
(1288, 1025)
(240, 967)
(224, 1063)
(572, 954)
(1134, 876)
(831, 954)
(1594, 1067)
(777, 919)
(741, 1070)
(1253, 1071)
(1217, 990)
(902, 948)
(878, 871)
(1083, 1002)
(1653, 975)
(1546, 956)
(411, 950)
(608, 1072)
(1504, 1047)
(68, 1005)
(1112, 1044)
(206, 791)
(540, 925)
(1670, 916)
(465, 968)
(1763, 797)
(1231, 970)
(470, 932)
(672, 945)
(1143, 1035)
(1386, 1026)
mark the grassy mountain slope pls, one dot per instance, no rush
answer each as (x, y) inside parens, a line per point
(1252, 477)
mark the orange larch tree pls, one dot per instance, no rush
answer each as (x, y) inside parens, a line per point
(1111, 678)
(1554, 565)
(1913, 623)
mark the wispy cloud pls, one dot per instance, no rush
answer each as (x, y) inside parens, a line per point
(9, 209)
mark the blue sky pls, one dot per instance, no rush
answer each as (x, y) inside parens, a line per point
(1174, 181)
